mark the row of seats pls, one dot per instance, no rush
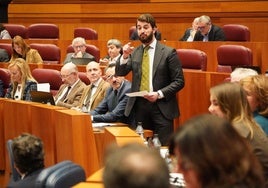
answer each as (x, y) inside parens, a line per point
(50, 76)
(51, 53)
(47, 31)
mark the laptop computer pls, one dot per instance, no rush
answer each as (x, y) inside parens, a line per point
(42, 97)
(81, 61)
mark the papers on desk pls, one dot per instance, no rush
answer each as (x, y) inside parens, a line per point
(137, 94)
(177, 180)
(102, 124)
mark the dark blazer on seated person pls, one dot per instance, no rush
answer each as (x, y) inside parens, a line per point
(28, 181)
(26, 95)
(215, 34)
(105, 112)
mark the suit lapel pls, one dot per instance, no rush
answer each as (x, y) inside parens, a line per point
(157, 57)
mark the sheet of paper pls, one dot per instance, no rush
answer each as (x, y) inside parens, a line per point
(102, 124)
(137, 94)
(43, 87)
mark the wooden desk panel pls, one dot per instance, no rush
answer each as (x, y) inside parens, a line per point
(43, 125)
(96, 177)
(75, 140)
(2, 140)
(88, 185)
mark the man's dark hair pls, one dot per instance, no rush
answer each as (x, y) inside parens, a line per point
(147, 18)
(28, 153)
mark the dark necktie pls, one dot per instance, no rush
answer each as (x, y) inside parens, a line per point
(145, 70)
(114, 99)
(89, 96)
(65, 94)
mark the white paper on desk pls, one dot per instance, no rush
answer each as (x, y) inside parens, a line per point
(43, 87)
(137, 94)
(102, 124)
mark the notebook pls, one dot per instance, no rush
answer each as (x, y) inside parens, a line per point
(42, 97)
(81, 61)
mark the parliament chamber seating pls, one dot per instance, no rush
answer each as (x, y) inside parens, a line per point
(86, 32)
(90, 48)
(83, 77)
(17, 29)
(14, 172)
(50, 76)
(231, 56)
(7, 47)
(192, 59)
(236, 32)
(50, 53)
(5, 77)
(62, 174)
(43, 31)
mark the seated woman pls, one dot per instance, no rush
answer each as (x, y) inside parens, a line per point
(114, 52)
(229, 101)
(211, 154)
(22, 50)
(256, 88)
(22, 81)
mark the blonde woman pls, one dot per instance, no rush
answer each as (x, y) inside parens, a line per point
(256, 88)
(22, 82)
(20, 49)
(229, 101)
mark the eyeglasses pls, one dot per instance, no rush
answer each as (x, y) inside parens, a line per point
(65, 76)
(79, 46)
(202, 27)
(110, 77)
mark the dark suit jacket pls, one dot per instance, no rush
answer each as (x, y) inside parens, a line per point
(4, 57)
(104, 112)
(186, 34)
(73, 97)
(2, 92)
(4, 11)
(29, 86)
(215, 34)
(28, 181)
(167, 77)
(98, 95)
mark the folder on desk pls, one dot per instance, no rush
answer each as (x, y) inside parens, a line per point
(42, 97)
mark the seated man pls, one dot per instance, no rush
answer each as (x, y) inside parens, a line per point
(79, 46)
(208, 31)
(137, 166)
(95, 92)
(112, 107)
(72, 88)
(28, 158)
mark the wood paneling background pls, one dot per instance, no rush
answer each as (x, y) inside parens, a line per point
(112, 19)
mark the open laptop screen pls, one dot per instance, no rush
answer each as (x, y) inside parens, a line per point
(42, 97)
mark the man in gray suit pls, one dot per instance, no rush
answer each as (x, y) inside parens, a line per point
(157, 109)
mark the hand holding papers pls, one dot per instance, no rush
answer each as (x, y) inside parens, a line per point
(137, 94)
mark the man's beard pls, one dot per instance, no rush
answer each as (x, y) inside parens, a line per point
(147, 39)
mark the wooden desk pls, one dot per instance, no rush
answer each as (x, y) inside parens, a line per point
(88, 185)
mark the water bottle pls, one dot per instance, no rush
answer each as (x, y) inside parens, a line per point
(139, 130)
(156, 142)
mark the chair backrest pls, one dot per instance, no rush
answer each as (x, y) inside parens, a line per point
(43, 31)
(83, 77)
(7, 47)
(193, 59)
(236, 32)
(50, 53)
(17, 29)
(86, 32)
(5, 77)
(131, 30)
(15, 174)
(50, 76)
(92, 49)
(41, 180)
(66, 176)
(229, 56)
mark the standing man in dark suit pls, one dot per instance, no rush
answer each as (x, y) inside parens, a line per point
(162, 78)
(207, 31)
(4, 10)
(112, 107)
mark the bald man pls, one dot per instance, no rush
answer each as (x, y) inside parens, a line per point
(72, 88)
(137, 165)
(95, 92)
